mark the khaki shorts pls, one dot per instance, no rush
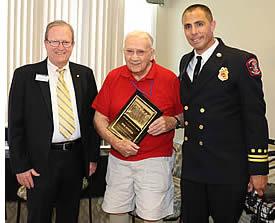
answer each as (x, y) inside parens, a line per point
(145, 186)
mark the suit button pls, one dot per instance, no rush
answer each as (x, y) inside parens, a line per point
(201, 127)
(185, 138)
(186, 123)
(201, 143)
(202, 110)
(186, 107)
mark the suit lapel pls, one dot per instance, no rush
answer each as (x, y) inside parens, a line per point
(44, 86)
(76, 77)
(186, 84)
(210, 70)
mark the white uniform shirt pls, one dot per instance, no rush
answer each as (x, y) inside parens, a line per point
(205, 56)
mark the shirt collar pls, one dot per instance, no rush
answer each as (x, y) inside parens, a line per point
(52, 67)
(205, 55)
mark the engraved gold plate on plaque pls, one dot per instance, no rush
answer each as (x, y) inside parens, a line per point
(134, 119)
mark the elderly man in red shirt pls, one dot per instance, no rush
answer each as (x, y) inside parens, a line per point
(139, 176)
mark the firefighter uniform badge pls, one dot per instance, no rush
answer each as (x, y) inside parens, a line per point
(223, 74)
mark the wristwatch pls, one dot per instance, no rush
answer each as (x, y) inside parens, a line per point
(178, 125)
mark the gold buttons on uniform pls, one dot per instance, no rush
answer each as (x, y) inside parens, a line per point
(201, 127)
(201, 143)
(202, 110)
(186, 123)
(185, 138)
(186, 107)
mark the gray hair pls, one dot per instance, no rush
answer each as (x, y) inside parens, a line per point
(141, 34)
(58, 23)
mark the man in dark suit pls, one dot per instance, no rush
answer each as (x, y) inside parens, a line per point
(52, 140)
(226, 133)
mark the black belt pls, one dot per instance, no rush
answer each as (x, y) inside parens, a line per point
(65, 146)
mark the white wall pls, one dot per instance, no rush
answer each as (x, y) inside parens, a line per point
(246, 24)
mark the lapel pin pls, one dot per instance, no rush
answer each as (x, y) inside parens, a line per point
(219, 55)
(223, 74)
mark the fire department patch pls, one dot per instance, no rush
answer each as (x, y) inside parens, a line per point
(253, 67)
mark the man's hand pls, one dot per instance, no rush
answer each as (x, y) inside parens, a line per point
(258, 183)
(126, 148)
(25, 178)
(161, 125)
(92, 168)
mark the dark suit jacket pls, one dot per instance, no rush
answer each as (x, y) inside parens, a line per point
(30, 120)
(226, 133)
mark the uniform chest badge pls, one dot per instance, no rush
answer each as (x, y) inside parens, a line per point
(223, 74)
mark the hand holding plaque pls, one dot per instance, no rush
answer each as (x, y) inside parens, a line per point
(134, 119)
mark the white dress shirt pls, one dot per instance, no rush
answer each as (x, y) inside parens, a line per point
(53, 78)
(205, 56)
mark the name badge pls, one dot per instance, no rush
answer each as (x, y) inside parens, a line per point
(42, 77)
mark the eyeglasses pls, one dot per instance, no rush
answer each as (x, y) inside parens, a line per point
(138, 52)
(56, 43)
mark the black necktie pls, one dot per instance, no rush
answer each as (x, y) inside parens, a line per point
(197, 68)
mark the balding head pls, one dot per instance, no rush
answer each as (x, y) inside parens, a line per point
(140, 35)
(138, 53)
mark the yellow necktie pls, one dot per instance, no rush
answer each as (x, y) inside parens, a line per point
(65, 110)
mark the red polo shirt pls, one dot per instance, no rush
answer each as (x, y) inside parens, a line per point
(160, 86)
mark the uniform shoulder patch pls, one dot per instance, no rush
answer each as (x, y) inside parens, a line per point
(253, 67)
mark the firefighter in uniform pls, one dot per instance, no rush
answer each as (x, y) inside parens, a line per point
(226, 134)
